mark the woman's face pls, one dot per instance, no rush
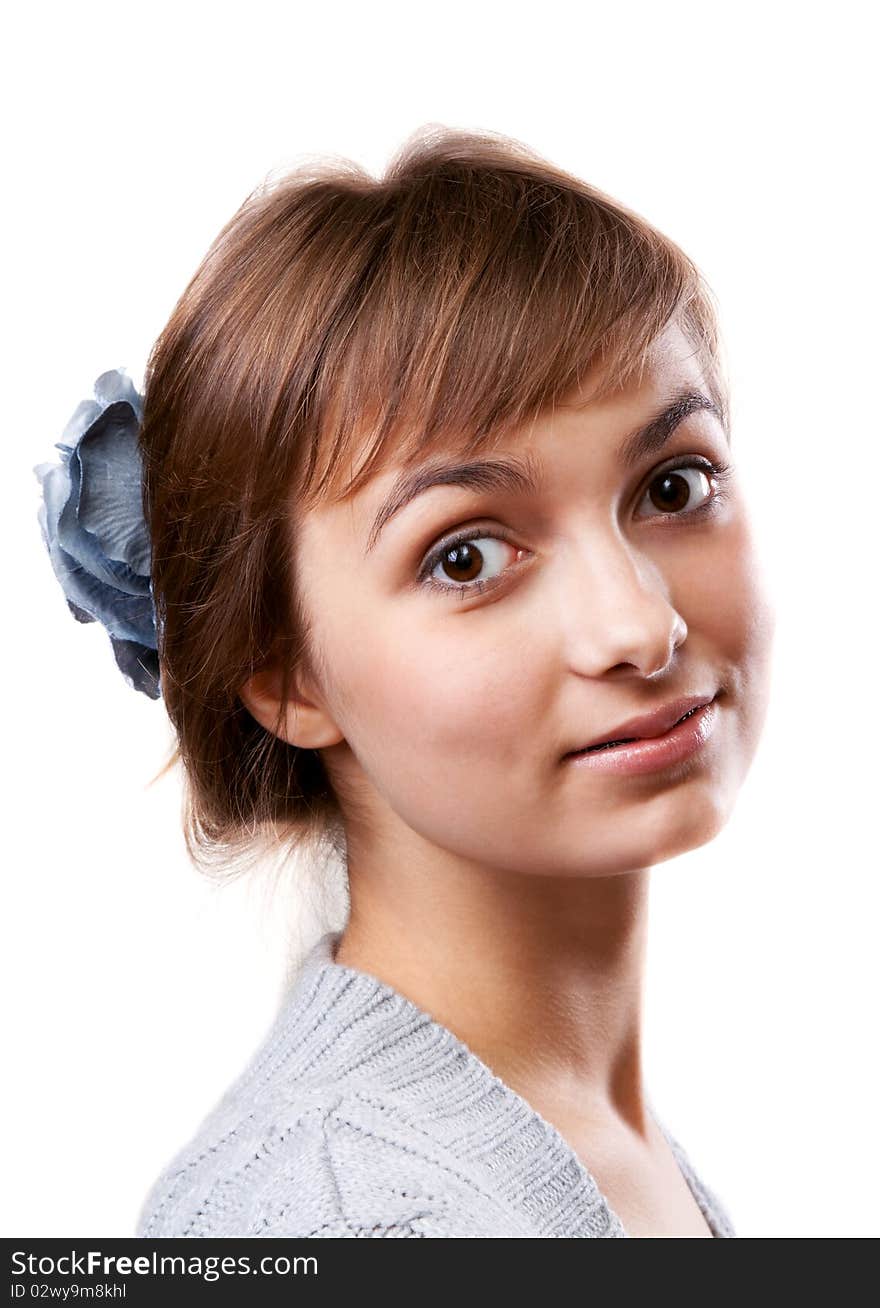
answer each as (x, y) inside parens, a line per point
(458, 676)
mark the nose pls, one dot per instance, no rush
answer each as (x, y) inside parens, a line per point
(618, 614)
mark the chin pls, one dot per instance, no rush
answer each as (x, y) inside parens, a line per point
(672, 825)
(703, 817)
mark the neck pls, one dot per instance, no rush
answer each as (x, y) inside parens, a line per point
(541, 977)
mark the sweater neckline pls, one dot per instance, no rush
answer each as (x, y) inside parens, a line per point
(323, 980)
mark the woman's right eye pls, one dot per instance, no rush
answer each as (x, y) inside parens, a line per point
(464, 563)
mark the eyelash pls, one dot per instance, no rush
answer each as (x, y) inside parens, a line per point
(716, 471)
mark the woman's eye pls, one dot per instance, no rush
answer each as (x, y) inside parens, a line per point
(686, 489)
(468, 563)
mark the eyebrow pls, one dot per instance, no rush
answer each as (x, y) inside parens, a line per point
(521, 475)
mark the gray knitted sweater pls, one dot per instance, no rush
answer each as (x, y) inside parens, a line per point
(359, 1115)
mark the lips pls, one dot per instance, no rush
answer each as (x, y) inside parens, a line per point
(648, 725)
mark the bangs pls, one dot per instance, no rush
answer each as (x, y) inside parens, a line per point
(484, 285)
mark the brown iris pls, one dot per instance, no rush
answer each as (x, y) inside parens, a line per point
(673, 494)
(465, 557)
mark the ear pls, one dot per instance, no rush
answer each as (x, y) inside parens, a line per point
(304, 720)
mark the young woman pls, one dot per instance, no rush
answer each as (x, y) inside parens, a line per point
(456, 582)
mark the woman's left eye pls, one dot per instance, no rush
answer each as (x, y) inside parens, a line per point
(682, 495)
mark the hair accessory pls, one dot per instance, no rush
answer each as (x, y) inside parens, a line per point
(93, 526)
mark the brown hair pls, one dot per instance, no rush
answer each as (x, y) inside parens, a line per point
(339, 320)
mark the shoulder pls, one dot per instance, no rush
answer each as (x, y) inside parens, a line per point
(328, 1164)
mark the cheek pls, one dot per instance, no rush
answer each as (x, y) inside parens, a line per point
(439, 712)
(426, 696)
(731, 618)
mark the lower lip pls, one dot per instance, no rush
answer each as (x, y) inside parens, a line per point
(681, 742)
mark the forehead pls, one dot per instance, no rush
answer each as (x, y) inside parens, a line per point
(603, 419)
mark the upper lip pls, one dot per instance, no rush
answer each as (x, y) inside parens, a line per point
(649, 724)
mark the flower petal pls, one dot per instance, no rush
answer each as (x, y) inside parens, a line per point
(55, 481)
(81, 420)
(116, 385)
(130, 617)
(106, 476)
(139, 665)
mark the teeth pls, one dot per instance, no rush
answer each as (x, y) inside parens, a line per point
(610, 744)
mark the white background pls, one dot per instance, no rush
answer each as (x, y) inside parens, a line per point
(133, 990)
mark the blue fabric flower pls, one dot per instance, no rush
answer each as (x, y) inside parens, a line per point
(92, 522)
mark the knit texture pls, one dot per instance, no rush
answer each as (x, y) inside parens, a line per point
(360, 1116)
